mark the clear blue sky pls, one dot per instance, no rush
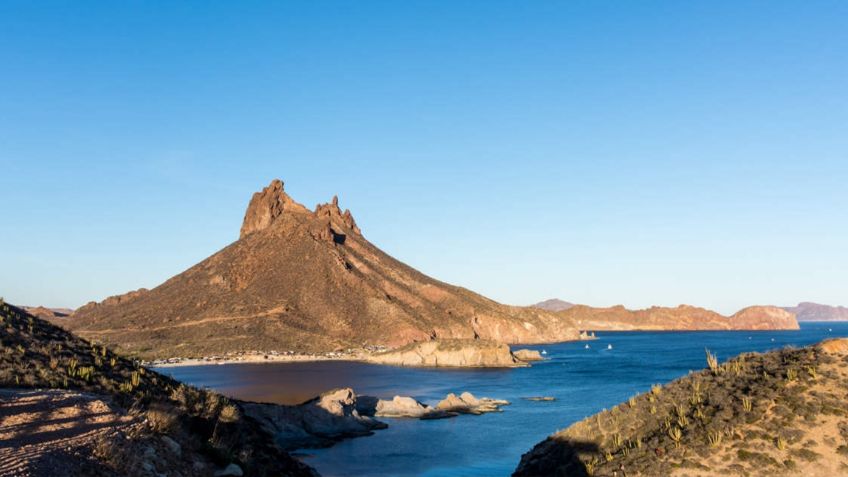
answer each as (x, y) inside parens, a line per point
(602, 152)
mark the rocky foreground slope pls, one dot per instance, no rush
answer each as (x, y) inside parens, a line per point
(68, 407)
(779, 413)
(303, 280)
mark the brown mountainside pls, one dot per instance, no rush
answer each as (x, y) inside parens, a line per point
(683, 317)
(306, 281)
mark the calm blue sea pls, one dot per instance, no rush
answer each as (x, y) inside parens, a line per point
(583, 381)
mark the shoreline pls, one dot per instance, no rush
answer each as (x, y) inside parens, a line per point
(256, 358)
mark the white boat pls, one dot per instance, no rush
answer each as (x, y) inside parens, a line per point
(544, 352)
(587, 346)
(609, 346)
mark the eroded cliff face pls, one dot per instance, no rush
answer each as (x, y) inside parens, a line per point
(266, 206)
(305, 281)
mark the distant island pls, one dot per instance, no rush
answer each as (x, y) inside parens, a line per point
(807, 311)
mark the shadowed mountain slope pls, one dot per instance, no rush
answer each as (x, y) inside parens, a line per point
(69, 407)
(305, 281)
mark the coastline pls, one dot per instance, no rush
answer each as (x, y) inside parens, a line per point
(257, 358)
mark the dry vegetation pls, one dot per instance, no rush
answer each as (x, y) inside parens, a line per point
(210, 429)
(778, 413)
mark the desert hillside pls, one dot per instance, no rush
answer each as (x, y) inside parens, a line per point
(681, 318)
(69, 407)
(303, 280)
(779, 413)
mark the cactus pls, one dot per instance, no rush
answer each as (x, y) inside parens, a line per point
(712, 362)
(811, 370)
(616, 440)
(72, 366)
(714, 438)
(676, 434)
(590, 466)
(747, 405)
(791, 374)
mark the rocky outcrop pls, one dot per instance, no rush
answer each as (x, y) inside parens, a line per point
(451, 406)
(399, 406)
(807, 311)
(341, 414)
(466, 403)
(527, 355)
(267, 206)
(319, 422)
(450, 353)
(111, 301)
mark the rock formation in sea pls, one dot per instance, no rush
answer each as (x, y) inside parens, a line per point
(780, 413)
(307, 281)
(527, 355)
(807, 311)
(341, 413)
(451, 353)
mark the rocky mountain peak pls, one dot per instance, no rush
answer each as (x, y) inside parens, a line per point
(333, 214)
(266, 206)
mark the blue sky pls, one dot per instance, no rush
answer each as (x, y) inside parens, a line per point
(602, 152)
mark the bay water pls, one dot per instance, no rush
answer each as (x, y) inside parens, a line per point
(583, 380)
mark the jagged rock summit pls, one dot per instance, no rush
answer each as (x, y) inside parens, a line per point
(306, 281)
(272, 202)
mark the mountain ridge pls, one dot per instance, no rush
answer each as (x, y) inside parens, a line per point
(809, 311)
(305, 281)
(308, 281)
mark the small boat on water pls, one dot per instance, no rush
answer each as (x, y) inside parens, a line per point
(587, 346)
(609, 346)
(544, 352)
